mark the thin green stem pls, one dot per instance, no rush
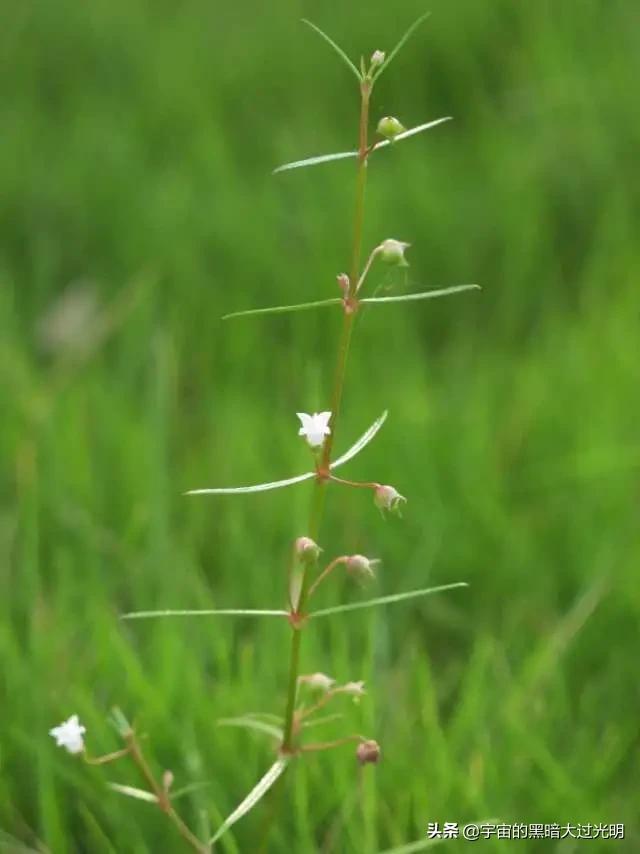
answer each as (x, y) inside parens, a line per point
(317, 504)
(329, 569)
(360, 484)
(327, 745)
(164, 801)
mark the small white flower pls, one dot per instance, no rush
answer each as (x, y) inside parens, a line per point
(317, 680)
(388, 498)
(356, 689)
(377, 58)
(69, 735)
(314, 427)
(392, 252)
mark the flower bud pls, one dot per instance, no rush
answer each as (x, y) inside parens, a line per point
(343, 283)
(167, 780)
(307, 550)
(388, 498)
(392, 252)
(368, 751)
(317, 680)
(377, 58)
(356, 689)
(390, 127)
(361, 566)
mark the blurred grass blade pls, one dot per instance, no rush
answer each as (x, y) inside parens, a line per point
(425, 844)
(414, 847)
(132, 792)
(312, 161)
(412, 132)
(223, 612)
(387, 600)
(282, 309)
(443, 292)
(401, 44)
(323, 720)
(183, 791)
(258, 792)
(364, 440)
(336, 47)
(258, 487)
(252, 723)
(12, 845)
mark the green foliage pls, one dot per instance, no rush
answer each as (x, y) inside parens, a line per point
(135, 159)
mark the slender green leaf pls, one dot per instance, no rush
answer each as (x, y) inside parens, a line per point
(442, 292)
(132, 792)
(313, 161)
(252, 723)
(259, 487)
(401, 44)
(336, 47)
(276, 484)
(412, 132)
(225, 612)
(282, 309)
(325, 158)
(362, 442)
(387, 600)
(254, 796)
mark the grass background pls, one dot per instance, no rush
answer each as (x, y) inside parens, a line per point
(135, 155)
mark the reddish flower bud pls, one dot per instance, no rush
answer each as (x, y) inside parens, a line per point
(368, 751)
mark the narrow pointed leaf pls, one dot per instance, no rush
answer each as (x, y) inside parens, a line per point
(442, 292)
(254, 796)
(258, 487)
(387, 600)
(401, 44)
(313, 161)
(362, 442)
(224, 612)
(336, 47)
(325, 158)
(132, 792)
(412, 132)
(282, 309)
(253, 723)
(276, 484)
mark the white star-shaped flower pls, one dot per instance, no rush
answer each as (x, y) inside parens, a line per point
(314, 427)
(69, 735)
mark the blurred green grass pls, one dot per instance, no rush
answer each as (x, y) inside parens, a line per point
(135, 156)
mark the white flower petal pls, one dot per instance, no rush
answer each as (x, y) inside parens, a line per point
(69, 735)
